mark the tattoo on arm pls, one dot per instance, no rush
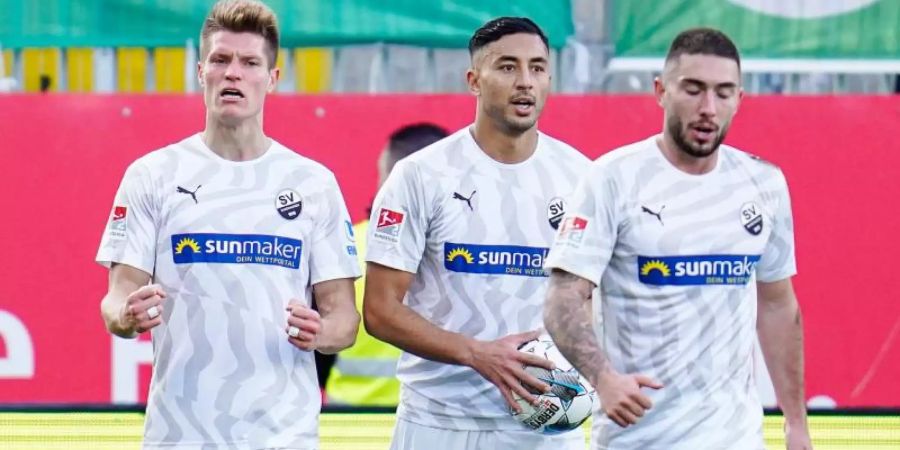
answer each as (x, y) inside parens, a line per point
(568, 319)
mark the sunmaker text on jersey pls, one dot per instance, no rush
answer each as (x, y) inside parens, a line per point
(495, 259)
(236, 249)
(696, 269)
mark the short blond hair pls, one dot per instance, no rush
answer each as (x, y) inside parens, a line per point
(242, 16)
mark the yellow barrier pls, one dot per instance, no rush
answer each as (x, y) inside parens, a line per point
(168, 69)
(122, 431)
(8, 69)
(131, 64)
(37, 63)
(312, 69)
(80, 69)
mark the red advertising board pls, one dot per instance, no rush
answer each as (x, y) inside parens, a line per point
(63, 156)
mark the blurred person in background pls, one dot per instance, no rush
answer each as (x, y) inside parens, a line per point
(217, 244)
(692, 246)
(441, 284)
(366, 374)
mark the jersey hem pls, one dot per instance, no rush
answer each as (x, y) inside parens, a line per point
(108, 261)
(232, 445)
(404, 264)
(776, 276)
(454, 423)
(333, 273)
(567, 267)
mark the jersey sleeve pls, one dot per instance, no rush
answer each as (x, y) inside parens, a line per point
(399, 221)
(131, 231)
(778, 261)
(587, 235)
(332, 250)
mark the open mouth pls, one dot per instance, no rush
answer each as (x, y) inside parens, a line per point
(704, 131)
(523, 105)
(231, 94)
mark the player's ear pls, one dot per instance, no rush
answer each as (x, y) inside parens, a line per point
(274, 75)
(473, 82)
(659, 89)
(740, 98)
(200, 73)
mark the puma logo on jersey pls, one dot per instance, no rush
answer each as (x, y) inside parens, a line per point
(468, 200)
(657, 214)
(193, 193)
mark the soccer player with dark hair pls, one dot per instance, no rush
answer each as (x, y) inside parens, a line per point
(691, 243)
(455, 254)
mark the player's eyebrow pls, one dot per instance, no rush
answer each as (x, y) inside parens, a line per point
(510, 58)
(703, 85)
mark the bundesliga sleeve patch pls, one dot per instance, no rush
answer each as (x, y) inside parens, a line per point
(572, 229)
(389, 225)
(117, 223)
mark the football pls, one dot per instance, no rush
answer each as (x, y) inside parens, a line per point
(570, 400)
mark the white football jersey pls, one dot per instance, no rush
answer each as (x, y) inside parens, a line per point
(230, 243)
(475, 232)
(677, 257)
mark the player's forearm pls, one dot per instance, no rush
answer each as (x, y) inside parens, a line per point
(567, 317)
(780, 329)
(339, 329)
(398, 325)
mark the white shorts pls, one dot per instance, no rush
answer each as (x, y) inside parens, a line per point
(412, 436)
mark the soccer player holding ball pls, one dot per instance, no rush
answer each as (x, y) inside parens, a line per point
(455, 255)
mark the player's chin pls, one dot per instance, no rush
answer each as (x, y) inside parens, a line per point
(521, 124)
(703, 148)
(231, 114)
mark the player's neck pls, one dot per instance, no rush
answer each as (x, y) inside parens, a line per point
(683, 161)
(503, 147)
(243, 142)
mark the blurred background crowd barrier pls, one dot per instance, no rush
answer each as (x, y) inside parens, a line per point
(65, 155)
(374, 46)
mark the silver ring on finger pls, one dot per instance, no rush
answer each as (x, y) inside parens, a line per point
(293, 331)
(152, 312)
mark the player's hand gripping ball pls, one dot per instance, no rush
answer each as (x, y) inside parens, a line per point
(570, 400)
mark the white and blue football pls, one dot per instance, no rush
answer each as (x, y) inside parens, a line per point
(571, 398)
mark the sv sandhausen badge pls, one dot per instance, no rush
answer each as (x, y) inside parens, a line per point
(555, 211)
(752, 218)
(288, 204)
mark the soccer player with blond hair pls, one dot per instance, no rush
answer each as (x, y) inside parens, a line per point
(217, 245)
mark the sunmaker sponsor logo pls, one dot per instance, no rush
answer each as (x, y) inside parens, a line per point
(495, 259)
(696, 269)
(236, 249)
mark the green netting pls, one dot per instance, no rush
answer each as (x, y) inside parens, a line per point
(155, 23)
